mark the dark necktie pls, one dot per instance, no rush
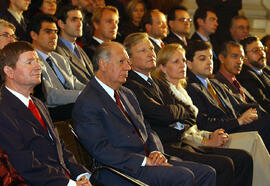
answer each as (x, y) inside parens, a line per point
(214, 94)
(32, 107)
(50, 62)
(265, 79)
(238, 86)
(120, 106)
(150, 81)
(77, 52)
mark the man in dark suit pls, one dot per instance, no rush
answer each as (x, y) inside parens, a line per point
(167, 118)
(105, 21)
(110, 125)
(232, 58)
(252, 76)
(215, 108)
(179, 22)
(206, 24)
(155, 25)
(26, 125)
(14, 15)
(60, 87)
(239, 28)
(70, 24)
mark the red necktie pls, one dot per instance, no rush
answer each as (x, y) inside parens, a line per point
(238, 86)
(119, 104)
(32, 107)
(162, 44)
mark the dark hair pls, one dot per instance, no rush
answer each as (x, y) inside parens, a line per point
(202, 14)
(265, 39)
(10, 54)
(194, 46)
(248, 41)
(225, 47)
(35, 6)
(36, 21)
(171, 14)
(62, 12)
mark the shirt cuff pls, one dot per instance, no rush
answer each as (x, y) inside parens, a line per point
(71, 183)
(87, 176)
(144, 161)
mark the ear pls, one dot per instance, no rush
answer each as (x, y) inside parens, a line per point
(60, 23)
(189, 64)
(33, 35)
(95, 25)
(102, 65)
(9, 72)
(170, 23)
(221, 58)
(200, 21)
(148, 28)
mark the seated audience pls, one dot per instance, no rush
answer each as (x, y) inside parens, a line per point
(170, 76)
(60, 87)
(135, 11)
(105, 21)
(27, 133)
(216, 110)
(168, 117)
(266, 43)
(239, 28)
(14, 15)
(179, 22)
(252, 76)
(206, 24)
(7, 33)
(36, 7)
(70, 24)
(110, 125)
(155, 24)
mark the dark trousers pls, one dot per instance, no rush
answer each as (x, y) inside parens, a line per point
(233, 166)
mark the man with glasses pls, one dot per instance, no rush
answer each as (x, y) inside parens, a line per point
(179, 22)
(252, 76)
(7, 31)
(239, 28)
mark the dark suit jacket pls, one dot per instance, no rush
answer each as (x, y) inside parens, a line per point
(156, 47)
(36, 157)
(90, 47)
(20, 28)
(82, 73)
(159, 114)
(172, 38)
(256, 85)
(106, 134)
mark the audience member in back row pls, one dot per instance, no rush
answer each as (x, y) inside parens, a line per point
(14, 15)
(7, 33)
(206, 23)
(179, 22)
(135, 11)
(239, 28)
(105, 22)
(155, 24)
(27, 133)
(252, 76)
(266, 43)
(60, 87)
(110, 125)
(164, 114)
(216, 110)
(70, 24)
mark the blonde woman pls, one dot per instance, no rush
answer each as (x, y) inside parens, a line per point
(170, 75)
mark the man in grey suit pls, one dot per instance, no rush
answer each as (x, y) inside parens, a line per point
(70, 24)
(110, 125)
(60, 87)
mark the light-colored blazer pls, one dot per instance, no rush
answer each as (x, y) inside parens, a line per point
(83, 73)
(54, 91)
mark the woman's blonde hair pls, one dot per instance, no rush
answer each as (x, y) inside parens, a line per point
(163, 57)
(132, 5)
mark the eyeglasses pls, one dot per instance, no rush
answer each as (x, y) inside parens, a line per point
(257, 49)
(184, 20)
(13, 36)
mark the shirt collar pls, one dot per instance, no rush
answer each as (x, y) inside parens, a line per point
(229, 78)
(70, 45)
(108, 89)
(204, 81)
(181, 38)
(142, 75)
(259, 72)
(157, 41)
(98, 40)
(203, 38)
(43, 55)
(15, 15)
(20, 97)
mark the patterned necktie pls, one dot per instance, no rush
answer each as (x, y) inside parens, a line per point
(32, 107)
(238, 86)
(77, 52)
(214, 94)
(120, 106)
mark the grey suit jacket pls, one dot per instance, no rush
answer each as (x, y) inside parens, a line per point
(83, 73)
(54, 91)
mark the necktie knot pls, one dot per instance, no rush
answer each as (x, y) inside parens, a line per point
(162, 44)
(77, 51)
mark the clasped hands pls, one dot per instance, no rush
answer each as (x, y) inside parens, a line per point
(218, 138)
(157, 159)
